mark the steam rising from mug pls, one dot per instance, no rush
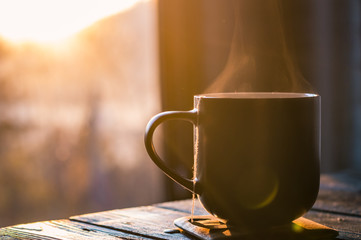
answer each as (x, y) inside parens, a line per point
(259, 60)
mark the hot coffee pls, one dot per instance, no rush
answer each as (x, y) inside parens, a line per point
(257, 155)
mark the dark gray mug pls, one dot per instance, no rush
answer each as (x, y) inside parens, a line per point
(257, 155)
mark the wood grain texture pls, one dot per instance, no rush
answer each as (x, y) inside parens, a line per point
(340, 193)
(62, 229)
(209, 228)
(338, 206)
(349, 227)
(184, 206)
(146, 221)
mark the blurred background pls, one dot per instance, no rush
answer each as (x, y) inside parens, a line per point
(80, 80)
(75, 97)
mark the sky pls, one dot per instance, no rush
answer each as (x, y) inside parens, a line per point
(53, 20)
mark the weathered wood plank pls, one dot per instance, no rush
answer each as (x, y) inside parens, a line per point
(340, 193)
(62, 229)
(184, 206)
(349, 227)
(146, 221)
(209, 228)
(338, 206)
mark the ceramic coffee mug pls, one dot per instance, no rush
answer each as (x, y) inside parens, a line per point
(257, 155)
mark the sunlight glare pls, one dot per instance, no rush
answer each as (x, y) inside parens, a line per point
(53, 20)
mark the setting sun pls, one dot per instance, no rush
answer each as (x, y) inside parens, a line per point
(53, 20)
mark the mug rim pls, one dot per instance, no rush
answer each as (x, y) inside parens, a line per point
(256, 95)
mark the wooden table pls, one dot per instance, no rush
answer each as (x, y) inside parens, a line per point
(338, 206)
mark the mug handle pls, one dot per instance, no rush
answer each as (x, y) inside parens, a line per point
(190, 116)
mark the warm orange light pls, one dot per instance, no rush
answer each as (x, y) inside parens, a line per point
(53, 20)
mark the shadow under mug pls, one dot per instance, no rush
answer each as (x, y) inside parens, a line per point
(257, 155)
